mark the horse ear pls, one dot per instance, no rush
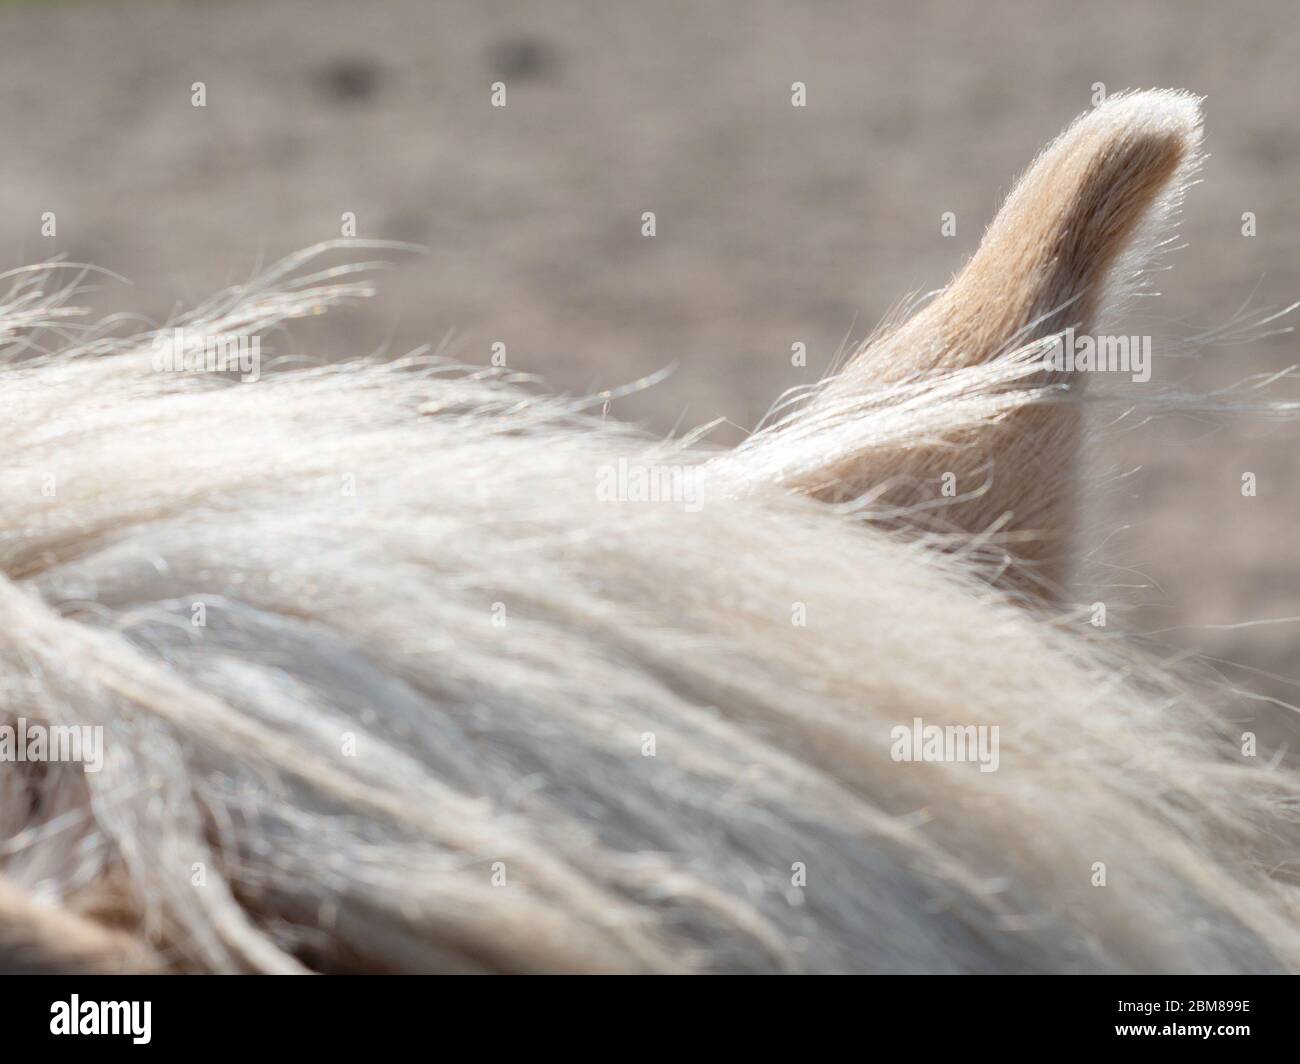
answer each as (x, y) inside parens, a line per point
(1067, 246)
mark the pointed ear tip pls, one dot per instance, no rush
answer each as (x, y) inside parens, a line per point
(1163, 113)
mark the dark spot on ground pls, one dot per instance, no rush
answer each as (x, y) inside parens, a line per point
(524, 58)
(349, 80)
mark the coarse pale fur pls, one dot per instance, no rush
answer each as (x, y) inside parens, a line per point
(413, 733)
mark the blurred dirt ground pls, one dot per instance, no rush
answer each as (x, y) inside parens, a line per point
(775, 224)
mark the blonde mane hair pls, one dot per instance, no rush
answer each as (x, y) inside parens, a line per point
(452, 707)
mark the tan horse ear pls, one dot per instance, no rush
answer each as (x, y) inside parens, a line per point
(1066, 246)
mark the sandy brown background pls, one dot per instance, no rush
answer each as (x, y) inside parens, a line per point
(776, 225)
